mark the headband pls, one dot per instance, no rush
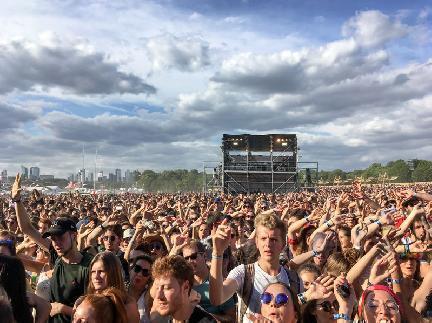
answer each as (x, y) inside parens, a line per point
(372, 288)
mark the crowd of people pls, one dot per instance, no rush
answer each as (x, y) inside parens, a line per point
(339, 254)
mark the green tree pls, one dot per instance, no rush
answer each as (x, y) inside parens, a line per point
(400, 169)
(423, 171)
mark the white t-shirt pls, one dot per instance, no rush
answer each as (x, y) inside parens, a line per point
(261, 280)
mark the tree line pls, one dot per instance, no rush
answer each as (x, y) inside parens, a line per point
(192, 180)
(413, 171)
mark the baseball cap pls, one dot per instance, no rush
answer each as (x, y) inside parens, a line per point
(60, 226)
(128, 233)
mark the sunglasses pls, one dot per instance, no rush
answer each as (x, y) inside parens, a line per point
(110, 238)
(144, 271)
(193, 256)
(155, 246)
(280, 299)
(327, 306)
(413, 256)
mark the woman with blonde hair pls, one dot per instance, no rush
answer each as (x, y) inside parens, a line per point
(106, 272)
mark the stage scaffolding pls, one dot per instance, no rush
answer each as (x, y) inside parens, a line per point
(259, 164)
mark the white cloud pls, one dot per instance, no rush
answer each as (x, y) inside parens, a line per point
(373, 28)
(187, 53)
(344, 98)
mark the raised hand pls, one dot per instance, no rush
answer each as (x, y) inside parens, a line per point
(381, 269)
(326, 242)
(321, 288)
(358, 233)
(221, 237)
(346, 305)
(407, 194)
(16, 188)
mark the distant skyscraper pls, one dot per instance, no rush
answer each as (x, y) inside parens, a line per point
(24, 172)
(34, 173)
(112, 177)
(91, 177)
(118, 175)
(82, 175)
(127, 177)
(100, 176)
(4, 177)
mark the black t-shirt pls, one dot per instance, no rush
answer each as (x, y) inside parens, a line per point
(68, 282)
(199, 315)
(124, 264)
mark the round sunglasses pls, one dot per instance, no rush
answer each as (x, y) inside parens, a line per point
(280, 299)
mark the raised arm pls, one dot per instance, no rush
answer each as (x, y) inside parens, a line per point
(410, 218)
(360, 266)
(23, 219)
(220, 290)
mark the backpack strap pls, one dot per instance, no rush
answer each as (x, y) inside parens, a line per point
(293, 279)
(246, 292)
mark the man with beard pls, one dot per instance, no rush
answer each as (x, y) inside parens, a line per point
(172, 286)
(195, 254)
(71, 272)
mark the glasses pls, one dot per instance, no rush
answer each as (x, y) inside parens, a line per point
(389, 306)
(280, 299)
(110, 238)
(144, 271)
(9, 243)
(326, 306)
(193, 256)
(155, 246)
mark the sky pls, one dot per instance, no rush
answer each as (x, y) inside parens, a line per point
(155, 84)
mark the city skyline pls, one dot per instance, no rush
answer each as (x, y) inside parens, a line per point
(155, 84)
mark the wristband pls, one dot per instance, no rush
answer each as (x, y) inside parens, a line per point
(342, 316)
(390, 280)
(414, 194)
(328, 223)
(302, 298)
(379, 223)
(216, 257)
(314, 253)
(292, 241)
(406, 248)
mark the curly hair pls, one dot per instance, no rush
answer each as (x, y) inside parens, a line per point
(175, 266)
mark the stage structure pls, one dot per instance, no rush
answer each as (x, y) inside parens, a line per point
(259, 164)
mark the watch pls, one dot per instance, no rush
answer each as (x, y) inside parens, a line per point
(16, 199)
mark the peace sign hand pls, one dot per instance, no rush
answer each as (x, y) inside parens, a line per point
(16, 188)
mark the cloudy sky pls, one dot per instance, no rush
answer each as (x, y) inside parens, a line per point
(155, 84)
